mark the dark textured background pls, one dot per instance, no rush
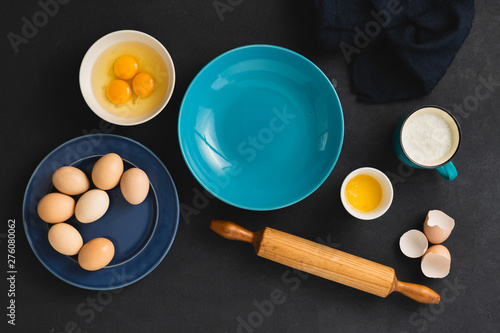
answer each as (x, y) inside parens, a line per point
(205, 283)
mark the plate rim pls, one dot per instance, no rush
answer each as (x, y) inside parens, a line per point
(108, 286)
(267, 207)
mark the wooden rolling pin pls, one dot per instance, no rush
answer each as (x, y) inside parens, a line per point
(325, 262)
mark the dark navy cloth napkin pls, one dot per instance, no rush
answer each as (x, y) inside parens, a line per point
(398, 49)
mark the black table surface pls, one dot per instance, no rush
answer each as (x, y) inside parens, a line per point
(207, 283)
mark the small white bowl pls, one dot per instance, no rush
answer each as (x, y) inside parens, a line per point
(96, 50)
(387, 193)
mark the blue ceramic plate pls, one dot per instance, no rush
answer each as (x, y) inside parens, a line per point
(261, 127)
(141, 234)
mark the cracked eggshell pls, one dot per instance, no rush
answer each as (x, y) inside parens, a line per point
(413, 243)
(436, 262)
(438, 226)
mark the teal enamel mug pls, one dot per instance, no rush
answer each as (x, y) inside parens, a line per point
(428, 138)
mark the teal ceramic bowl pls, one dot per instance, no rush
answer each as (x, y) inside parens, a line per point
(261, 127)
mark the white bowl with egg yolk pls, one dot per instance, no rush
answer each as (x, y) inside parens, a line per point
(96, 71)
(366, 193)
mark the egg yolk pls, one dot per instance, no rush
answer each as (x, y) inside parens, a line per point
(118, 92)
(126, 67)
(143, 84)
(363, 193)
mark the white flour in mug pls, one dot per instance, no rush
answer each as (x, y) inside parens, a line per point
(427, 138)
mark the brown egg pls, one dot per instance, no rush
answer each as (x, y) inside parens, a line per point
(56, 207)
(96, 254)
(70, 180)
(107, 171)
(134, 185)
(65, 239)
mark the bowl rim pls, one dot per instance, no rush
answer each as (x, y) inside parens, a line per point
(93, 53)
(380, 177)
(272, 206)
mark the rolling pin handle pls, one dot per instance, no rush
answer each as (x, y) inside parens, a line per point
(417, 292)
(231, 230)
